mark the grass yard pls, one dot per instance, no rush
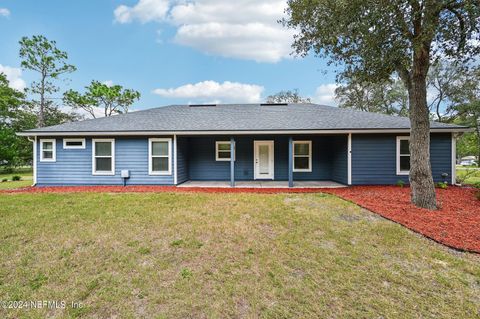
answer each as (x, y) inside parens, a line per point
(474, 178)
(179, 255)
(25, 174)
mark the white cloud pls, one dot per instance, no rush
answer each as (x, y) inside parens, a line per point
(253, 41)
(243, 29)
(14, 76)
(4, 12)
(325, 94)
(218, 92)
(144, 11)
(108, 82)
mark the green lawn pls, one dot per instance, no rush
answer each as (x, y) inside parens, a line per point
(26, 178)
(474, 174)
(224, 255)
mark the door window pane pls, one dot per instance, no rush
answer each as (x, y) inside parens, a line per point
(263, 157)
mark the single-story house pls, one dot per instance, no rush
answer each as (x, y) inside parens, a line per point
(234, 143)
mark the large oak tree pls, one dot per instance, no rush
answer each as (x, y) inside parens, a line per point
(372, 39)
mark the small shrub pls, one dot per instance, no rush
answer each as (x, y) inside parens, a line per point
(444, 177)
(16, 178)
(476, 185)
(477, 194)
(442, 185)
(400, 183)
(4, 180)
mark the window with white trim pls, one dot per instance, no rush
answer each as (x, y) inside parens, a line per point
(48, 150)
(223, 151)
(159, 156)
(73, 143)
(103, 156)
(403, 155)
(302, 156)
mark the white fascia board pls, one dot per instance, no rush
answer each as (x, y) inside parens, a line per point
(264, 132)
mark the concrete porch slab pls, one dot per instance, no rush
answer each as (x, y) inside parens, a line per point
(262, 184)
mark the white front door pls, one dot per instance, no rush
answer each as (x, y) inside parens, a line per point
(263, 159)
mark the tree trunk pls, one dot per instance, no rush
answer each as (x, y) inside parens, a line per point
(41, 111)
(421, 180)
(477, 127)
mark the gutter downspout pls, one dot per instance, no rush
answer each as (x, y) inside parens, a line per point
(34, 159)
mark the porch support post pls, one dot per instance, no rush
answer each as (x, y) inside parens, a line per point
(290, 162)
(232, 162)
(175, 178)
(349, 159)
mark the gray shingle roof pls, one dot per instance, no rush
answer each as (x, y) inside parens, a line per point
(240, 117)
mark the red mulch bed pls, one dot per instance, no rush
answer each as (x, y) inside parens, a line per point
(456, 224)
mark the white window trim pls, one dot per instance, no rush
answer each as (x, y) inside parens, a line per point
(150, 162)
(217, 143)
(67, 147)
(401, 138)
(309, 169)
(454, 159)
(94, 172)
(54, 150)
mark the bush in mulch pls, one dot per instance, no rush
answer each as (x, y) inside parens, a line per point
(456, 224)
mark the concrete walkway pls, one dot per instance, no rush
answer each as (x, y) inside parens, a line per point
(263, 184)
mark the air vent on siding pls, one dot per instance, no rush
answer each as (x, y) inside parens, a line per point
(202, 105)
(273, 104)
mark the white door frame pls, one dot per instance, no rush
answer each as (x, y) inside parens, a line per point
(271, 154)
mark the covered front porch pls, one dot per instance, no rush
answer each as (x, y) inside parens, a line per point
(262, 184)
(263, 161)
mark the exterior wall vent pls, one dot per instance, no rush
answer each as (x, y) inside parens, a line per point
(273, 104)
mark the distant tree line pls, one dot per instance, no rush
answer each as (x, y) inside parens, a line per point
(453, 97)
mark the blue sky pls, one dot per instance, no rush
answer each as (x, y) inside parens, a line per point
(170, 51)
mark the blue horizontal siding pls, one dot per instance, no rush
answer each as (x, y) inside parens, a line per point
(182, 159)
(374, 158)
(339, 159)
(203, 166)
(74, 166)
